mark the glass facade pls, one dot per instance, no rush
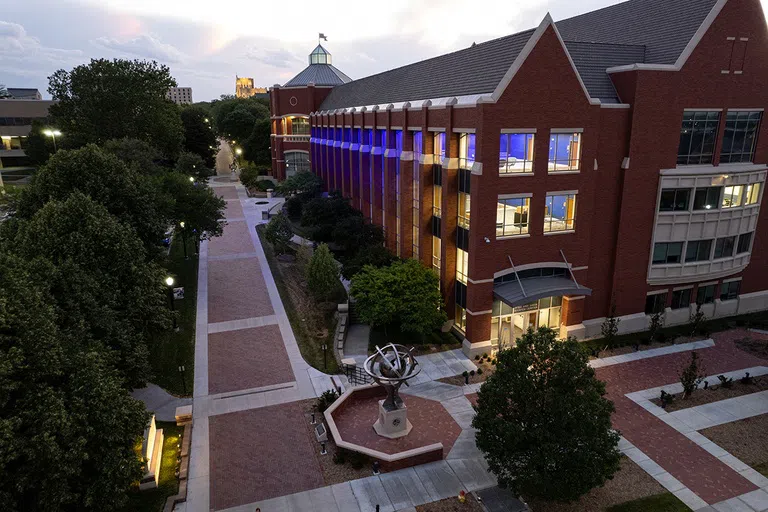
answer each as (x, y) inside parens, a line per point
(296, 162)
(416, 191)
(740, 136)
(512, 216)
(508, 323)
(697, 138)
(398, 151)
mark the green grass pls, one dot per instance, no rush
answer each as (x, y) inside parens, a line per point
(172, 349)
(153, 500)
(666, 502)
(757, 320)
(309, 346)
(762, 468)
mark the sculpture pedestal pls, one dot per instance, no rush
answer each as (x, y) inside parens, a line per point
(392, 424)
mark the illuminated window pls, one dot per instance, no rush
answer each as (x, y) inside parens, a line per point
(461, 318)
(296, 162)
(437, 200)
(438, 148)
(549, 312)
(697, 138)
(560, 213)
(299, 126)
(464, 205)
(564, 152)
(740, 136)
(416, 190)
(398, 152)
(512, 216)
(753, 194)
(466, 150)
(436, 248)
(462, 265)
(516, 153)
(733, 196)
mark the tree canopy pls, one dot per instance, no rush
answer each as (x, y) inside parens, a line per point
(112, 99)
(278, 232)
(322, 274)
(404, 293)
(543, 422)
(304, 183)
(199, 137)
(195, 204)
(321, 214)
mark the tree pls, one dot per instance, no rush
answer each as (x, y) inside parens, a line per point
(278, 232)
(195, 204)
(404, 293)
(234, 128)
(610, 326)
(125, 193)
(691, 375)
(106, 99)
(305, 184)
(657, 322)
(199, 137)
(322, 214)
(63, 412)
(543, 422)
(4, 94)
(256, 146)
(697, 319)
(106, 294)
(38, 147)
(137, 154)
(353, 233)
(322, 274)
(191, 164)
(238, 124)
(373, 255)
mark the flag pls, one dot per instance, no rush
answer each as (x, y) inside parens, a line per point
(322, 36)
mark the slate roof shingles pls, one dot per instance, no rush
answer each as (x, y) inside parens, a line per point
(319, 74)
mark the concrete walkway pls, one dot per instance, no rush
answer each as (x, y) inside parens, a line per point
(160, 402)
(356, 344)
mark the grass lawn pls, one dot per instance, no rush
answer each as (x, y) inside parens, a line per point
(313, 324)
(666, 502)
(173, 349)
(153, 500)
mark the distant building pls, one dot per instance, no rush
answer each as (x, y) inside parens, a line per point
(244, 88)
(180, 95)
(16, 116)
(24, 94)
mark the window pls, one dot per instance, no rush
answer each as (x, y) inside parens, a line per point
(744, 241)
(398, 152)
(705, 294)
(462, 265)
(12, 142)
(733, 196)
(655, 303)
(564, 152)
(466, 150)
(753, 193)
(416, 190)
(698, 250)
(673, 200)
(461, 318)
(740, 136)
(549, 312)
(299, 126)
(697, 138)
(436, 248)
(724, 247)
(516, 153)
(667, 252)
(681, 298)
(730, 291)
(437, 200)
(512, 216)
(296, 162)
(560, 213)
(707, 198)
(464, 206)
(438, 148)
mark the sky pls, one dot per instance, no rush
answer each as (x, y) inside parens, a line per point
(207, 43)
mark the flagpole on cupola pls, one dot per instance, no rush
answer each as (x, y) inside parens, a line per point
(321, 36)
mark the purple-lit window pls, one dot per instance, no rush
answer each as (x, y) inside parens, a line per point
(368, 139)
(381, 138)
(516, 153)
(466, 150)
(417, 143)
(399, 141)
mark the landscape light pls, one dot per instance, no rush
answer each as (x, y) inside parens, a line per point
(169, 281)
(191, 179)
(239, 151)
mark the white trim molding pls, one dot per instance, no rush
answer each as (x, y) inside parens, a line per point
(517, 130)
(566, 130)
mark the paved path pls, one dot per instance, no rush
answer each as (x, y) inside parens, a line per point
(694, 473)
(160, 402)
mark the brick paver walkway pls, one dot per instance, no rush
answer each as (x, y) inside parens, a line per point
(236, 290)
(698, 470)
(227, 192)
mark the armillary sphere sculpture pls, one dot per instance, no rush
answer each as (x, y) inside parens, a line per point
(391, 367)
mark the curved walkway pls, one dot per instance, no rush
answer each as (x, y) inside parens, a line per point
(160, 402)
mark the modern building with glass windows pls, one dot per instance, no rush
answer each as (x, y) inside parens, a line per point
(614, 159)
(290, 106)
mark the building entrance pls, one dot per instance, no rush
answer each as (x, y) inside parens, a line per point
(512, 323)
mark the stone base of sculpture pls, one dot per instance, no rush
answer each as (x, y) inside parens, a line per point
(392, 423)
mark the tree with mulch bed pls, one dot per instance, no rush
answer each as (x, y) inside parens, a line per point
(278, 232)
(665, 502)
(543, 422)
(691, 375)
(322, 274)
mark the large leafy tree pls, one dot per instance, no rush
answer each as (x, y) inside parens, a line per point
(322, 214)
(322, 274)
(199, 137)
(127, 194)
(304, 184)
(112, 99)
(192, 165)
(143, 157)
(543, 422)
(67, 426)
(404, 293)
(106, 293)
(38, 147)
(195, 204)
(256, 146)
(279, 233)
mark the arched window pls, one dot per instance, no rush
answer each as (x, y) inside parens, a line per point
(298, 126)
(296, 161)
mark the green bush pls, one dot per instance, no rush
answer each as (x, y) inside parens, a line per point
(325, 400)
(265, 185)
(249, 176)
(293, 207)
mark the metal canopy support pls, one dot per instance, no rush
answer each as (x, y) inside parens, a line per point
(568, 266)
(522, 288)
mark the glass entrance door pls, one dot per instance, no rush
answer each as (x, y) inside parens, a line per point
(512, 327)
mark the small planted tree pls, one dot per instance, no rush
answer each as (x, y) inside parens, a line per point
(691, 375)
(610, 327)
(322, 274)
(543, 422)
(697, 318)
(657, 322)
(278, 233)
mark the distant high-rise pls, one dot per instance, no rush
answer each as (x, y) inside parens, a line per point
(180, 95)
(244, 87)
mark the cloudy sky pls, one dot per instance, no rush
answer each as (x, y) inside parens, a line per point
(207, 43)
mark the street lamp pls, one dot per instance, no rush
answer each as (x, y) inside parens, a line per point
(169, 281)
(184, 239)
(192, 179)
(54, 134)
(206, 120)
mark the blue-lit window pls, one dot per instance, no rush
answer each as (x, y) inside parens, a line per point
(347, 134)
(398, 151)
(564, 152)
(417, 143)
(338, 135)
(368, 137)
(381, 138)
(516, 152)
(357, 134)
(560, 214)
(439, 144)
(466, 150)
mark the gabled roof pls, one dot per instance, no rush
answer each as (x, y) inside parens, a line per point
(636, 31)
(319, 74)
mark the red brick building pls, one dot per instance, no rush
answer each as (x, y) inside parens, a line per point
(290, 106)
(614, 158)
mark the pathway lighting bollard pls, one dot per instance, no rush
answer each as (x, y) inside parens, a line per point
(169, 282)
(323, 451)
(313, 419)
(376, 468)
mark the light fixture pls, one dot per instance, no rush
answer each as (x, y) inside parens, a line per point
(206, 119)
(181, 224)
(191, 179)
(239, 151)
(169, 281)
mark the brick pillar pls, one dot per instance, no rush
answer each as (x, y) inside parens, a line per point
(390, 193)
(426, 195)
(406, 195)
(572, 312)
(365, 180)
(450, 211)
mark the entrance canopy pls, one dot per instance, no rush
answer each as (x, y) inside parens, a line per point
(534, 288)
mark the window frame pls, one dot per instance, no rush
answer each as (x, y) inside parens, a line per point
(701, 294)
(675, 193)
(709, 190)
(569, 223)
(722, 242)
(732, 120)
(552, 156)
(467, 141)
(736, 200)
(708, 136)
(730, 292)
(658, 305)
(529, 143)
(749, 236)
(681, 299)
(752, 194)
(699, 249)
(524, 228)
(666, 253)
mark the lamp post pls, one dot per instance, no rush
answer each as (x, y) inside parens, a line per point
(184, 239)
(53, 134)
(183, 379)
(169, 281)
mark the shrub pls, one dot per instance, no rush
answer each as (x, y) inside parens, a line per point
(725, 381)
(657, 322)
(357, 459)
(747, 379)
(691, 376)
(249, 176)
(477, 357)
(697, 319)
(465, 373)
(325, 400)
(293, 207)
(479, 371)
(322, 274)
(278, 232)
(374, 255)
(340, 456)
(485, 355)
(610, 327)
(265, 185)
(322, 214)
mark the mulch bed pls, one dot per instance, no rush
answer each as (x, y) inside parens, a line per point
(756, 347)
(715, 393)
(628, 349)
(629, 483)
(458, 380)
(452, 505)
(746, 439)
